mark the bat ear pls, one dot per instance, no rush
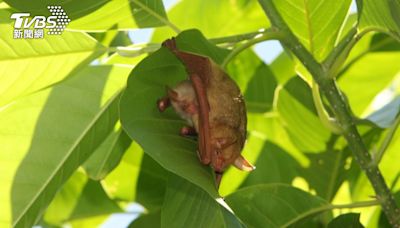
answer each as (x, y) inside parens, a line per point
(172, 94)
(242, 164)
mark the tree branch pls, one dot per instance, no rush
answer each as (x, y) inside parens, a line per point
(341, 111)
(268, 34)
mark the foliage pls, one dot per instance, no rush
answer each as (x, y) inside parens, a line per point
(81, 137)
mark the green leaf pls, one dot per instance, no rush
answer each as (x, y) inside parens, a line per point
(315, 22)
(228, 18)
(122, 15)
(108, 155)
(151, 220)
(158, 133)
(326, 171)
(121, 183)
(95, 15)
(50, 134)
(260, 90)
(29, 65)
(94, 202)
(381, 15)
(151, 185)
(194, 206)
(367, 77)
(274, 205)
(278, 163)
(73, 8)
(66, 199)
(256, 79)
(297, 110)
(346, 220)
(283, 68)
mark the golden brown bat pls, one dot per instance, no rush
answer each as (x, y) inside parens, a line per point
(214, 108)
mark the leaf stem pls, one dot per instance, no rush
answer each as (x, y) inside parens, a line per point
(156, 15)
(236, 38)
(386, 142)
(134, 50)
(342, 112)
(339, 54)
(268, 34)
(323, 115)
(332, 207)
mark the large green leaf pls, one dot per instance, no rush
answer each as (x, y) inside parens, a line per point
(108, 155)
(28, 65)
(315, 22)
(158, 133)
(296, 107)
(122, 15)
(194, 206)
(383, 15)
(50, 134)
(228, 17)
(274, 205)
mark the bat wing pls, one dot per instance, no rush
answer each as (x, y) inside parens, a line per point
(204, 123)
(198, 68)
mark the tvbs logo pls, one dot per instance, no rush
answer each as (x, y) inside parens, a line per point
(26, 27)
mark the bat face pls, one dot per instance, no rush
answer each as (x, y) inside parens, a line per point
(212, 104)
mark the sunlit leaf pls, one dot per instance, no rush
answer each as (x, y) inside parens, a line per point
(381, 15)
(228, 18)
(66, 199)
(367, 77)
(122, 14)
(296, 107)
(47, 146)
(28, 65)
(315, 22)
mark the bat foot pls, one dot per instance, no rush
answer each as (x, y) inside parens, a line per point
(188, 131)
(163, 103)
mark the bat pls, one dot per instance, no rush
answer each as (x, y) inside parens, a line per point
(213, 107)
